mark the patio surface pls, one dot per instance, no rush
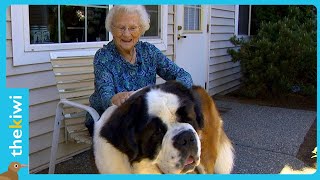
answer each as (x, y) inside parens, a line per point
(265, 139)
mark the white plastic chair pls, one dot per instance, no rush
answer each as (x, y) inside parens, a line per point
(75, 83)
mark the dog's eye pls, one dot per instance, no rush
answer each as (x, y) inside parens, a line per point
(187, 120)
(158, 132)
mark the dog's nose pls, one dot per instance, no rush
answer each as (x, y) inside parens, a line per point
(185, 140)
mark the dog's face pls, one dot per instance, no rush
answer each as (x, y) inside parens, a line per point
(160, 124)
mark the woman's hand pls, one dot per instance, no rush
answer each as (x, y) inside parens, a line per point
(120, 98)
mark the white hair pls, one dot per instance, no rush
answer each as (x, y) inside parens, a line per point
(138, 9)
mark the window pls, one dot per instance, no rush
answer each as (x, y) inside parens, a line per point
(243, 20)
(71, 24)
(243, 28)
(155, 22)
(40, 29)
(67, 24)
(192, 18)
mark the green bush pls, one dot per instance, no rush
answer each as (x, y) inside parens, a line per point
(281, 58)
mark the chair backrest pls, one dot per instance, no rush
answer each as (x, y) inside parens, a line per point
(75, 82)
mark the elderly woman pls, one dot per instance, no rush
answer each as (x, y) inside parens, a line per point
(126, 64)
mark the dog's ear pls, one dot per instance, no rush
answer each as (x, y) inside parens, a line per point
(199, 115)
(120, 128)
(197, 106)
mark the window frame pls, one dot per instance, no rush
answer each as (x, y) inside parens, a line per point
(26, 53)
(236, 22)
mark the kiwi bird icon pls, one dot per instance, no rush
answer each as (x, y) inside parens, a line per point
(12, 173)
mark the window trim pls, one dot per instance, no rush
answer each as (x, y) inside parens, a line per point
(25, 53)
(236, 22)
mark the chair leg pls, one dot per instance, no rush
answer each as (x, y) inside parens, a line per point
(55, 138)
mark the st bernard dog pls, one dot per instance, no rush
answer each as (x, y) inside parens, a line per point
(165, 128)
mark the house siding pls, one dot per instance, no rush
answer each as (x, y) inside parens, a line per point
(224, 75)
(43, 96)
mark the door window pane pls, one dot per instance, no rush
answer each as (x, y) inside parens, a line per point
(192, 18)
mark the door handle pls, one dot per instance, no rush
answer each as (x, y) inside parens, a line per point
(179, 36)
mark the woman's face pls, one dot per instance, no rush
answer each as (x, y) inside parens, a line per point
(126, 31)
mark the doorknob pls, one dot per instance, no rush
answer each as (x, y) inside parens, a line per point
(179, 36)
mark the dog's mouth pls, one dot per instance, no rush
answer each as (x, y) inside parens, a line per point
(189, 164)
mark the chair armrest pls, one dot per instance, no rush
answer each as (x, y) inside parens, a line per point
(89, 109)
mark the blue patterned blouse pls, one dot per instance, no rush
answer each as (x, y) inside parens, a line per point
(113, 74)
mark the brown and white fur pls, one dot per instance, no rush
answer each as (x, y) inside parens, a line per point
(217, 153)
(165, 128)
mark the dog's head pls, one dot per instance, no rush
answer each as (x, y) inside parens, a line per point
(158, 123)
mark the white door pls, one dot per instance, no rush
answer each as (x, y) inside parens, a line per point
(192, 45)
